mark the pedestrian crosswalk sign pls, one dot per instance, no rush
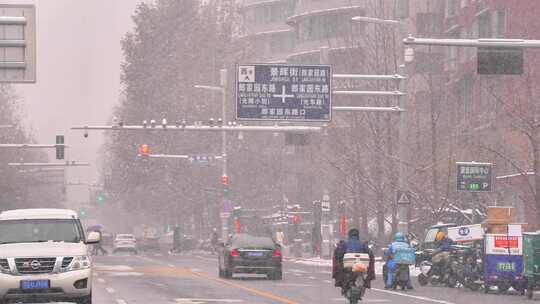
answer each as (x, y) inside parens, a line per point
(403, 197)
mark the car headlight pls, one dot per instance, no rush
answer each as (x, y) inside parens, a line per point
(3, 269)
(79, 263)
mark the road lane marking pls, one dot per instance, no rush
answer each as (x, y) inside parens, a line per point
(411, 296)
(207, 259)
(364, 300)
(120, 301)
(312, 278)
(196, 300)
(113, 268)
(327, 281)
(101, 280)
(158, 285)
(110, 290)
(170, 265)
(294, 285)
(245, 288)
(298, 271)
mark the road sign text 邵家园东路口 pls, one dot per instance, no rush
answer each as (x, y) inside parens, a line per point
(283, 92)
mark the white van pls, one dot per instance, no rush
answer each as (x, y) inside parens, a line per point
(44, 256)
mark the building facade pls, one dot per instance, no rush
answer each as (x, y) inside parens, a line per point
(486, 104)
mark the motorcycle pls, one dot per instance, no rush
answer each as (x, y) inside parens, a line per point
(401, 278)
(468, 268)
(436, 272)
(355, 269)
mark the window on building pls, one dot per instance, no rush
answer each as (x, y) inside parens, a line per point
(484, 25)
(428, 24)
(323, 27)
(452, 7)
(499, 24)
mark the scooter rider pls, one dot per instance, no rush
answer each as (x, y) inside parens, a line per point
(399, 243)
(441, 253)
(351, 245)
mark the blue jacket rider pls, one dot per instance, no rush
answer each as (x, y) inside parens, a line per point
(399, 242)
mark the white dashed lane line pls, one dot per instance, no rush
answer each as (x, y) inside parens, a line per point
(120, 301)
(413, 297)
(100, 280)
(110, 290)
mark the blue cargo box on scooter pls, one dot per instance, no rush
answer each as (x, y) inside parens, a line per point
(405, 256)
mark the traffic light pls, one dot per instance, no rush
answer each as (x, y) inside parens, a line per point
(100, 198)
(296, 219)
(144, 150)
(60, 147)
(225, 183)
(225, 180)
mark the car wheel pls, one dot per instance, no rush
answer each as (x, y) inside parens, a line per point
(530, 293)
(227, 273)
(422, 279)
(276, 275)
(503, 287)
(85, 300)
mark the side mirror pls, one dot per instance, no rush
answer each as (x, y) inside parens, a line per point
(93, 238)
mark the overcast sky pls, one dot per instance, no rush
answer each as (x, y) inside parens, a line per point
(78, 71)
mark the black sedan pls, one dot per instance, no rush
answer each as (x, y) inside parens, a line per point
(250, 254)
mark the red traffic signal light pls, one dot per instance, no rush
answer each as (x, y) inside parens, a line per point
(144, 150)
(225, 180)
(296, 219)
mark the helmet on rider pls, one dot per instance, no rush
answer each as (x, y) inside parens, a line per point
(354, 234)
(440, 236)
(399, 237)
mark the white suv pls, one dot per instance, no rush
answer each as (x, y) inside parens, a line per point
(44, 256)
(125, 242)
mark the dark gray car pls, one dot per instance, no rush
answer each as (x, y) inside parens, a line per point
(250, 254)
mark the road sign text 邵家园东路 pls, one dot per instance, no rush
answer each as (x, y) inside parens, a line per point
(283, 92)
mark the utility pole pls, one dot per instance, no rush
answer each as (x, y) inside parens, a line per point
(225, 193)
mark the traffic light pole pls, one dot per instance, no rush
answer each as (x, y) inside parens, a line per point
(224, 221)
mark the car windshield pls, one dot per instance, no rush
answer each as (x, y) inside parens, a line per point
(43, 230)
(249, 241)
(431, 234)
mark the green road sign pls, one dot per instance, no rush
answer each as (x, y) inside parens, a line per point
(474, 177)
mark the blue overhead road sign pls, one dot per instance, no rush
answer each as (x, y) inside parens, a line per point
(283, 92)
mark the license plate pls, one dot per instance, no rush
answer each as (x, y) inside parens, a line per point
(35, 284)
(255, 254)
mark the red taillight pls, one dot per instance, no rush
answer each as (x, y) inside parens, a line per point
(234, 253)
(277, 253)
